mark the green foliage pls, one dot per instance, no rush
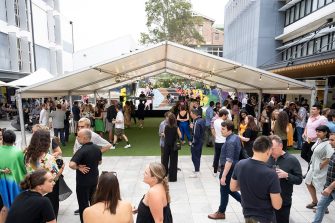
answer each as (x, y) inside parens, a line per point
(171, 20)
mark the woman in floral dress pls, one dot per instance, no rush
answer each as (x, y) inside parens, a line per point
(37, 156)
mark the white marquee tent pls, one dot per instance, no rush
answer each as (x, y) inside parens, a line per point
(172, 58)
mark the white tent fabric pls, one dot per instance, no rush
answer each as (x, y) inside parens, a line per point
(172, 58)
(33, 78)
(4, 84)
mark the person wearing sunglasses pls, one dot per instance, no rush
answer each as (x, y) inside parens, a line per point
(107, 204)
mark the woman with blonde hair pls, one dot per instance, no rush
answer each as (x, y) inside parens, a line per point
(155, 204)
(108, 206)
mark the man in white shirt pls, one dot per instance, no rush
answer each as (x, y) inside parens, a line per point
(44, 115)
(85, 123)
(219, 138)
(119, 127)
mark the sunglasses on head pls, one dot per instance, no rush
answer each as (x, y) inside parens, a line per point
(113, 172)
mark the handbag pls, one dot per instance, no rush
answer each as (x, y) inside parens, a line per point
(177, 145)
(64, 190)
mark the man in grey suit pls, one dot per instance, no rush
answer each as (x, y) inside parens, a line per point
(58, 118)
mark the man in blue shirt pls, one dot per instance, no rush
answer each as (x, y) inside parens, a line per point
(229, 156)
(209, 117)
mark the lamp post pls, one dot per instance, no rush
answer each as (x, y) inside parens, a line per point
(71, 23)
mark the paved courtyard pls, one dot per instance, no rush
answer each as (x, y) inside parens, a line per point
(191, 199)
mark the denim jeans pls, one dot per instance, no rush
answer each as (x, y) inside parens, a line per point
(323, 203)
(225, 192)
(61, 135)
(300, 131)
(185, 130)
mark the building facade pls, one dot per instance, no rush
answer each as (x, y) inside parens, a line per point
(250, 29)
(212, 36)
(31, 37)
(294, 38)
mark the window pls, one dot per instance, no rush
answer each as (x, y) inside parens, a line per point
(289, 51)
(324, 43)
(314, 5)
(302, 8)
(321, 3)
(284, 54)
(294, 50)
(303, 50)
(19, 54)
(287, 18)
(297, 9)
(333, 44)
(328, 1)
(310, 47)
(17, 15)
(299, 51)
(317, 45)
(308, 6)
(27, 14)
(292, 15)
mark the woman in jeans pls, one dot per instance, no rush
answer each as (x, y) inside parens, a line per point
(183, 118)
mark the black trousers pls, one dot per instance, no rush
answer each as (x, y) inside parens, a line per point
(84, 197)
(54, 198)
(217, 153)
(306, 151)
(283, 214)
(170, 162)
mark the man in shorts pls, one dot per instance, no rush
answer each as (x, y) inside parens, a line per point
(119, 128)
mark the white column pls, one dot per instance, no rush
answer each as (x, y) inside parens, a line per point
(25, 55)
(23, 133)
(59, 62)
(23, 14)
(13, 53)
(51, 25)
(313, 97)
(53, 59)
(10, 12)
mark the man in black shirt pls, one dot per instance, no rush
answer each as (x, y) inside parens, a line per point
(76, 116)
(289, 173)
(260, 188)
(85, 161)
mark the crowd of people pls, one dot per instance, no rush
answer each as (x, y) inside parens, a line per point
(242, 141)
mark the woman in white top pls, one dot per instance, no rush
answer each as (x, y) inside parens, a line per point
(317, 173)
(108, 206)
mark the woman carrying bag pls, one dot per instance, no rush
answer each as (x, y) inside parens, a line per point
(172, 134)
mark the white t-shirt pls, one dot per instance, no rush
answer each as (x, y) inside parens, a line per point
(119, 124)
(219, 138)
(96, 139)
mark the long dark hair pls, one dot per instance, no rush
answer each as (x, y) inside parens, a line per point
(39, 143)
(33, 179)
(172, 122)
(108, 191)
(282, 121)
(251, 123)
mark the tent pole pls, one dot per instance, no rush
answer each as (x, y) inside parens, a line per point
(95, 97)
(313, 97)
(71, 105)
(259, 104)
(109, 97)
(325, 94)
(23, 133)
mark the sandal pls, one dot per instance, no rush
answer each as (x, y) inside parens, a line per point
(311, 205)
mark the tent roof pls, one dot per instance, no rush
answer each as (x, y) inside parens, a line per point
(172, 58)
(37, 77)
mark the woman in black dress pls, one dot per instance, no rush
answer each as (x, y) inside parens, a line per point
(249, 135)
(171, 134)
(155, 204)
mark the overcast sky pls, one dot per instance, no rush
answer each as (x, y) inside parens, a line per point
(98, 21)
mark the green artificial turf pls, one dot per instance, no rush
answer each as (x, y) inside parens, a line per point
(144, 142)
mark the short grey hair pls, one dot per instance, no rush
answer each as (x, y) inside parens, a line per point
(87, 133)
(276, 138)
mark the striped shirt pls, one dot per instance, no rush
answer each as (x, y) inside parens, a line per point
(331, 171)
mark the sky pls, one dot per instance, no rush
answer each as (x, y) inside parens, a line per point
(98, 21)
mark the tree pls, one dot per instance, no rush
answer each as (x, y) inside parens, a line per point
(171, 20)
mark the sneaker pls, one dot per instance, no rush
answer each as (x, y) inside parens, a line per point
(194, 175)
(112, 147)
(217, 215)
(76, 212)
(127, 146)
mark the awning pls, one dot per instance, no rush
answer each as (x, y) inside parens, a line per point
(172, 58)
(38, 76)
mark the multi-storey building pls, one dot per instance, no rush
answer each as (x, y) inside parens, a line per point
(295, 38)
(33, 35)
(212, 36)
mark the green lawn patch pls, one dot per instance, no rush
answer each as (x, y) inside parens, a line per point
(144, 142)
